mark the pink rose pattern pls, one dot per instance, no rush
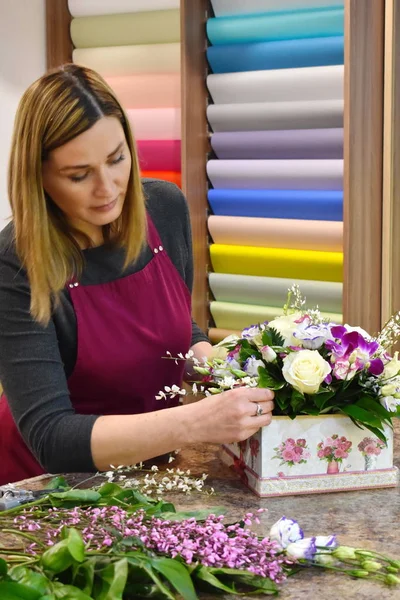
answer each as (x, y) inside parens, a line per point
(292, 452)
(370, 446)
(334, 448)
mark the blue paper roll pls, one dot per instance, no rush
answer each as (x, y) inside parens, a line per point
(279, 26)
(288, 54)
(278, 204)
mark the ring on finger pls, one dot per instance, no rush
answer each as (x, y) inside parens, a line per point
(259, 410)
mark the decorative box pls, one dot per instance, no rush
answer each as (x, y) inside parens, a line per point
(311, 455)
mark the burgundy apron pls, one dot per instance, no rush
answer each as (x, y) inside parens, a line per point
(124, 329)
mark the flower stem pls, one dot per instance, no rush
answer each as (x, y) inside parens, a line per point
(26, 535)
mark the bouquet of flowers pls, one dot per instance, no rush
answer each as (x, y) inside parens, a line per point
(292, 452)
(314, 366)
(334, 448)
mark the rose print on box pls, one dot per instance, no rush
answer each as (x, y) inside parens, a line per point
(292, 452)
(370, 448)
(334, 450)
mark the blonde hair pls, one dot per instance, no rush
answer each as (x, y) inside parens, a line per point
(55, 109)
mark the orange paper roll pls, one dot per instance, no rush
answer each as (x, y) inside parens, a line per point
(155, 123)
(217, 334)
(171, 176)
(148, 90)
(277, 262)
(326, 236)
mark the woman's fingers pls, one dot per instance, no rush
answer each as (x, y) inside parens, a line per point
(257, 409)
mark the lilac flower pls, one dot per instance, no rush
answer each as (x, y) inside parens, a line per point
(326, 541)
(304, 549)
(285, 532)
(251, 366)
(250, 332)
(313, 336)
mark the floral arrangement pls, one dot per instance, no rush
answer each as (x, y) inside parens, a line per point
(370, 446)
(292, 452)
(334, 448)
(112, 542)
(314, 366)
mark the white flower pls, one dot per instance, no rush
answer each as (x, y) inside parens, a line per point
(268, 354)
(326, 541)
(389, 389)
(305, 370)
(251, 366)
(286, 326)
(285, 532)
(390, 403)
(304, 549)
(359, 330)
(392, 368)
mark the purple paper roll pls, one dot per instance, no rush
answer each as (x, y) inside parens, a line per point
(293, 143)
(156, 155)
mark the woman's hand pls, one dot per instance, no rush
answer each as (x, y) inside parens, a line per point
(231, 416)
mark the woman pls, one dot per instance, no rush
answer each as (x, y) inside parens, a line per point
(95, 281)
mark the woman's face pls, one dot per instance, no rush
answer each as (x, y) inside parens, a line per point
(88, 176)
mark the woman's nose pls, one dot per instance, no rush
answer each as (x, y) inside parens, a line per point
(104, 185)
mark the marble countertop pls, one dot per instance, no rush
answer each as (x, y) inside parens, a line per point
(368, 519)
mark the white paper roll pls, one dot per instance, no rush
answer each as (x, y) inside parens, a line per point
(310, 83)
(155, 123)
(271, 291)
(276, 174)
(224, 8)
(88, 8)
(261, 116)
(128, 60)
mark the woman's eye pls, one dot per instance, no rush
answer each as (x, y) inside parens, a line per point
(120, 158)
(77, 178)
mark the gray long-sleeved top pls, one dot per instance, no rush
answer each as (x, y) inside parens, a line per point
(35, 361)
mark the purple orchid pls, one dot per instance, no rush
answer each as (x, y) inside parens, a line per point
(352, 348)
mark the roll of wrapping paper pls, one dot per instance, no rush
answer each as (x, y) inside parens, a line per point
(304, 114)
(153, 27)
(216, 334)
(172, 176)
(277, 262)
(130, 60)
(297, 143)
(280, 85)
(158, 155)
(88, 8)
(326, 236)
(155, 123)
(289, 54)
(276, 174)
(225, 8)
(149, 90)
(278, 204)
(229, 315)
(279, 26)
(248, 289)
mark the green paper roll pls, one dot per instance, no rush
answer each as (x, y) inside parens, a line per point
(277, 262)
(154, 27)
(228, 315)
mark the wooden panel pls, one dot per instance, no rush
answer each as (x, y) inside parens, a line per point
(391, 157)
(363, 144)
(195, 143)
(58, 40)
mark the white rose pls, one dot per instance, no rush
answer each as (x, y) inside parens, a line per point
(305, 370)
(286, 326)
(392, 368)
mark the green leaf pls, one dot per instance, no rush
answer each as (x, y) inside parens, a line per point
(84, 496)
(177, 575)
(142, 590)
(199, 515)
(57, 558)
(19, 591)
(3, 567)
(247, 350)
(361, 415)
(203, 574)
(114, 578)
(375, 407)
(83, 575)
(160, 584)
(57, 482)
(264, 584)
(110, 489)
(276, 338)
(76, 545)
(297, 401)
(267, 381)
(322, 398)
(31, 578)
(69, 592)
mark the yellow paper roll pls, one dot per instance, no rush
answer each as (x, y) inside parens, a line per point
(229, 315)
(154, 27)
(129, 60)
(277, 262)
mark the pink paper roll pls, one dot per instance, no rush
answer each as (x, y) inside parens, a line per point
(325, 236)
(148, 90)
(155, 123)
(159, 155)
